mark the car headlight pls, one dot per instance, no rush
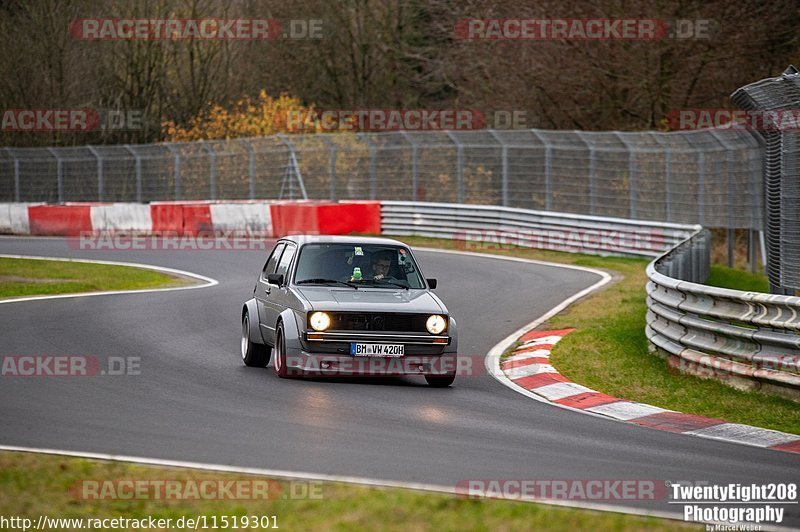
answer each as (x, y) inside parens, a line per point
(436, 324)
(319, 321)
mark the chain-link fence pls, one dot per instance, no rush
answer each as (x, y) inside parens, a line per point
(780, 97)
(711, 177)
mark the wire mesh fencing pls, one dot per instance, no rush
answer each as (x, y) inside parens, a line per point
(711, 177)
(774, 99)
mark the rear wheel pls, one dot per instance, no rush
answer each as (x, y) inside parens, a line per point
(253, 354)
(440, 381)
(279, 362)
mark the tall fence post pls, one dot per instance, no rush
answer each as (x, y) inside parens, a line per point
(59, 174)
(177, 171)
(632, 192)
(667, 175)
(729, 163)
(548, 171)
(701, 186)
(459, 165)
(100, 173)
(292, 169)
(504, 162)
(331, 165)
(592, 172)
(138, 170)
(212, 179)
(17, 191)
(414, 168)
(251, 168)
(373, 166)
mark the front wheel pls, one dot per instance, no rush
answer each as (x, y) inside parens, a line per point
(279, 363)
(253, 354)
(440, 381)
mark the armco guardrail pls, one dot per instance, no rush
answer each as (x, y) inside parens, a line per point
(486, 227)
(745, 339)
(748, 340)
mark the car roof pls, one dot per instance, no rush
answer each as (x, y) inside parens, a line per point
(341, 239)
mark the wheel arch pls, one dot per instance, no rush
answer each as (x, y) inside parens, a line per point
(251, 309)
(291, 331)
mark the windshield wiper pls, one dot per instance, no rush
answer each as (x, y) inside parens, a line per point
(321, 280)
(384, 281)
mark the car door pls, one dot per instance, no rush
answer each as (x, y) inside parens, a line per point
(275, 300)
(262, 290)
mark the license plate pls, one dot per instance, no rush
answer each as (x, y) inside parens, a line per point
(377, 350)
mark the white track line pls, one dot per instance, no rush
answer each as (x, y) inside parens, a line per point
(370, 482)
(492, 360)
(207, 281)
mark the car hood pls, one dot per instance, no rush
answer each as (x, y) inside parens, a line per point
(371, 300)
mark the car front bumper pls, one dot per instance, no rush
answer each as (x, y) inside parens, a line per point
(303, 363)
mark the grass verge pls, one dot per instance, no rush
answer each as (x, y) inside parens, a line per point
(608, 351)
(32, 485)
(723, 277)
(33, 277)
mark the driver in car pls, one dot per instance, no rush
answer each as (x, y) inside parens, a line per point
(381, 262)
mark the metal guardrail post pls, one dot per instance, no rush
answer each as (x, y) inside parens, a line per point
(59, 174)
(548, 171)
(414, 161)
(138, 169)
(177, 172)
(251, 168)
(459, 165)
(212, 171)
(100, 172)
(504, 152)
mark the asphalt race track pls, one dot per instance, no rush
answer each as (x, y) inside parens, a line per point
(196, 401)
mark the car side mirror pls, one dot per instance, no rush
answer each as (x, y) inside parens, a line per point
(275, 278)
(431, 283)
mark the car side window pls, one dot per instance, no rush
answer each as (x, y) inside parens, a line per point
(272, 261)
(286, 260)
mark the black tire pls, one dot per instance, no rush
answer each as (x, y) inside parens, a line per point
(253, 354)
(440, 381)
(279, 362)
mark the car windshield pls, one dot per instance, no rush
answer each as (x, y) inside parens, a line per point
(357, 265)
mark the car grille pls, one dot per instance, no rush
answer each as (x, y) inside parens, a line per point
(378, 321)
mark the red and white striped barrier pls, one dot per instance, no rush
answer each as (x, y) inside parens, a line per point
(271, 219)
(529, 368)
